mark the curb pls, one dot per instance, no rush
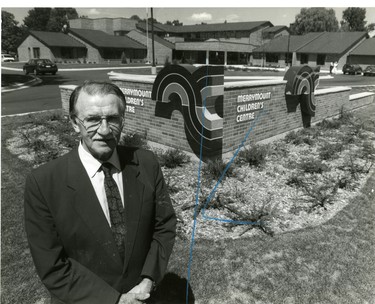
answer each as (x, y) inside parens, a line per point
(20, 86)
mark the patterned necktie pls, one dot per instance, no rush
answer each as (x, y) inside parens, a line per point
(116, 210)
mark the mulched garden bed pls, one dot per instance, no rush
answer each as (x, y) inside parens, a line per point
(300, 181)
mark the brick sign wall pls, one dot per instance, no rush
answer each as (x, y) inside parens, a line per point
(257, 108)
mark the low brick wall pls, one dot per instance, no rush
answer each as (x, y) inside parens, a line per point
(270, 121)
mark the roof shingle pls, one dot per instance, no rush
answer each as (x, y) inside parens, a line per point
(56, 39)
(333, 43)
(214, 27)
(366, 48)
(101, 39)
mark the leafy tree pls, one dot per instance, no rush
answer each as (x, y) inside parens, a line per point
(11, 34)
(60, 17)
(37, 18)
(315, 19)
(49, 19)
(354, 19)
(135, 17)
(174, 22)
(150, 20)
(370, 27)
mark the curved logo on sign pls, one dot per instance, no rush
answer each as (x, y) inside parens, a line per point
(198, 93)
(301, 84)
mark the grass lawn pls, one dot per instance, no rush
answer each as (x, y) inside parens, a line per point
(14, 79)
(330, 263)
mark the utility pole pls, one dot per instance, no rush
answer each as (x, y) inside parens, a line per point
(287, 53)
(153, 68)
(147, 56)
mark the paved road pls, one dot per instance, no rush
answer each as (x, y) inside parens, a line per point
(46, 95)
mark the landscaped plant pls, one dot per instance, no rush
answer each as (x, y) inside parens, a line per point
(313, 165)
(173, 158)
(214, 169)
(301, 137)
(319, 195)
(295, 180)
(133, 140)
(259, 216)
(255, 155)
(355, 168)
(368, 150)
(330, 150)
(330, 124)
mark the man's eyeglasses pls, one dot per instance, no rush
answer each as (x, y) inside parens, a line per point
(92, 123)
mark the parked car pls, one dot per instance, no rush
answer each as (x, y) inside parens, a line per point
(7, 58)
(352, 69)
(369, 71)
(40, 66)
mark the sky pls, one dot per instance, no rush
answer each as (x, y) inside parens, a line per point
(195, 15)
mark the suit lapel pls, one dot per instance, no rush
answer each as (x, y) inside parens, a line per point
(88, 207)
(133, 197)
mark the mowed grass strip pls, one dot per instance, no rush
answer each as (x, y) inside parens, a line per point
(331, 263)
(19, 281)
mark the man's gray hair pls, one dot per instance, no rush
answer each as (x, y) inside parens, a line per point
(95, 88)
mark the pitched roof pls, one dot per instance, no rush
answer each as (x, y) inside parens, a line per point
(275, 29)
(214, 27)
(56, 39)
(333, 43)
(280, 44)
(367, 47)
(101, 39)
(316, 42)
(157, 39)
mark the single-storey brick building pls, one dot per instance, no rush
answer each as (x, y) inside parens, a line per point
(58, 47)
(311, 49)
(364, 54)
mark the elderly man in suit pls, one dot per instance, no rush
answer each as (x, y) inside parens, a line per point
(99, 220)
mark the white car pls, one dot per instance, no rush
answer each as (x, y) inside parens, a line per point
(6, 58)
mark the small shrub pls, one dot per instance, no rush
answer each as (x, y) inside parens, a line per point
(330, 124)
(292, 137)
(279, 149)
(298, 138)
(321, 195)
(330, 150)
(348, 139)
(294, 180)
(259, 216)
(313, 165)
(133, 140)
(255, 155)
(173, 158)
(214, 169)
(368, 150)
(354, 168)
(345, 116)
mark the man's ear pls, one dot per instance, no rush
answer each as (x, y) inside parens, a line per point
(74, 124)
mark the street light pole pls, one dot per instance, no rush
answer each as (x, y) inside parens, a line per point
(287, 53)
(153, 68)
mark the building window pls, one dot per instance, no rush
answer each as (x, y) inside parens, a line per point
(36, 52)
(321, 59)
(67, 53)
(304, 58)
(274, 58)
(257, 55)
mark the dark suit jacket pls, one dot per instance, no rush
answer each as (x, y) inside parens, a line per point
(71, 241)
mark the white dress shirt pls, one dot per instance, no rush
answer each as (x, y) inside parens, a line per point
(92, 166)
